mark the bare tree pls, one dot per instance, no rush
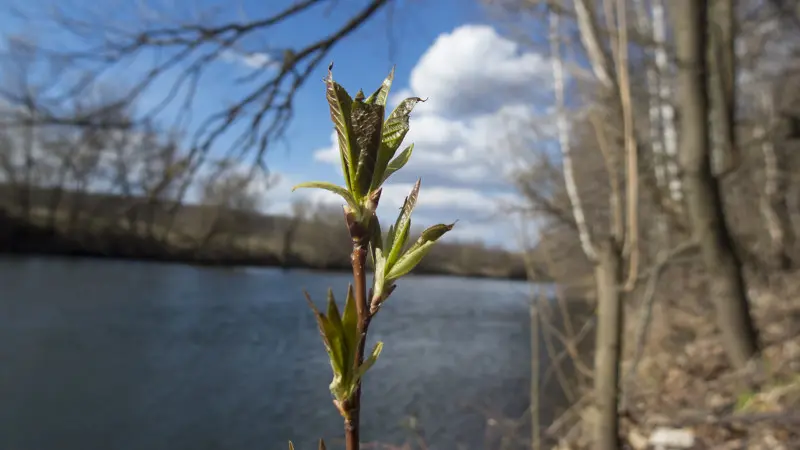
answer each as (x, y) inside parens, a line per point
(227, 193)
(608, 92)
(704, 201)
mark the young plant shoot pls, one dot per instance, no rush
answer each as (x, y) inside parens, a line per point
(368, 147)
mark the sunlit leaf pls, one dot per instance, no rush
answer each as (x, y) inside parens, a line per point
(367, 120)
(385, 154)
(291, 446)
(369, 362)
(403, 225)
(340, 105)
(397, 163)
(380, 272)
(434, 232)
(340, 191)
(396, 125)
(400, 241)
(394, 131)
(414, 255)
(380, 96)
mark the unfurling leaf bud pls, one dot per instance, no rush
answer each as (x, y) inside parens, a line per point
(340, 334)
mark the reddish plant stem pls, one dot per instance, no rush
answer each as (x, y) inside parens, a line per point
(358, 259)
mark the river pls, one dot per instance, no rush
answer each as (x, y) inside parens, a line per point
(115, 355)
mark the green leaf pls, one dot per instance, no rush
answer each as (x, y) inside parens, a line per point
(333, 310)
(398, 163)
(375, 237)
(403, 225)
(385, 154)
(414, 255)
(340, 191)
(399, 243)
(394, 131)
(433, 233)
(367, 120)
(389, 239)
(340, 105)
(350, 321)
(338, 338)
(380, 96)
(396, 125)
(380, 273)
(330, 337)
(369, 362)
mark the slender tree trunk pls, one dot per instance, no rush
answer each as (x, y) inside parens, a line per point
(608, 272)
(661, 112)
(667, 110)
(563, 139)
(536, 436)
(288, 242)
(703, 197)
(587, 24)
(722, 89)
(631, 148)
(643, 23)
(774, 209)
(26, 194)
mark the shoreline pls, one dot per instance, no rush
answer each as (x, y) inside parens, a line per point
(18, 237)
(233, 263)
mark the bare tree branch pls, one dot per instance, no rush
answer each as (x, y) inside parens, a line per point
(265, 111)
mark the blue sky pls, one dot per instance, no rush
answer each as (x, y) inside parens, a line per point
(488, 96)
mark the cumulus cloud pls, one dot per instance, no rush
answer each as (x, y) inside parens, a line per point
(487, 99)
(473, 70)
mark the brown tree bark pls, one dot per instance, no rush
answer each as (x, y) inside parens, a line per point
(721, 72)
(608, 273)
(352, 424)
(706, 215)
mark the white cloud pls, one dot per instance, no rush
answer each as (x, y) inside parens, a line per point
(483, 94)
(474, 70)
(443, 197)
(281, 196)
(253, 60)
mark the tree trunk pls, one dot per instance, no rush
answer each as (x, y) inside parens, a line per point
(536, 432)
(608, 274)
(288, 242)
(774, 209)
(702, 190)
(563, 137)
(721, 72)
(665, 100)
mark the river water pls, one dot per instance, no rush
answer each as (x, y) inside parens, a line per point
(107, 355)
